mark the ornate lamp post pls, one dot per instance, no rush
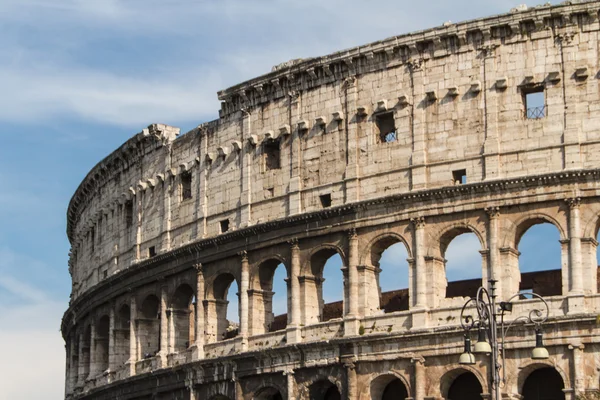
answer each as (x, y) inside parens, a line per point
(487, 324)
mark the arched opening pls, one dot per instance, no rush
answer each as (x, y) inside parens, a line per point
(542, 384)
(269, 393)
(222, 311)
(182, 318)
(148, 333)
(325, 293)
(101, 343)
(85, 351)
(464, 265)
(390, 256)
(540, 270)
(121, 333)
(388, 387)
(324, 390)
(466, 386)
(269, 298)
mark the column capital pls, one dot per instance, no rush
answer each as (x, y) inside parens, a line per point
(351, 365)
(243, 255)
(493, 212)
(198, 267)
(352, 233)
(573, 202)
(294, 243)
(418, 222)
(418, 360)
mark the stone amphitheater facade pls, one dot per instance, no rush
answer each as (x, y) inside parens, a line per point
(414, 139)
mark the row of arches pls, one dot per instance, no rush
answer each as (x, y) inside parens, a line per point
(169, 322)
(541, 384)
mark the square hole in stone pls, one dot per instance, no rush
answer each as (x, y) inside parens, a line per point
(325, 200)
(224, 225)
(459, 177)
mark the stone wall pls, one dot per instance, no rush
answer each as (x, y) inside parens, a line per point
(415, 139)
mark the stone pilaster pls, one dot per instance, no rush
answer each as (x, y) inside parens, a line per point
(351, 322)
(133, 345)
(164, 327)
(111, 339)
(244, 286)
(351, 384)
(293, 330)
(198, 350)
(291, 385)
(419, 378)
(575, 271)
(494, 267)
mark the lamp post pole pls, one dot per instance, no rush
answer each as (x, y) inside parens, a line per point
(486, 322)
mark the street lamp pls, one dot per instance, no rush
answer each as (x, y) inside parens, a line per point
(486, 323)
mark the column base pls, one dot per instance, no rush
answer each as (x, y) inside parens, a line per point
(575, 304)
(293, 334)
(351, 326)
(420, 318)
(197, 351)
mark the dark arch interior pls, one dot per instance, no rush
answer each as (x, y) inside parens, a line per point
(395, 390)
(124, 317)
(221, 286)
(150, 307)
(269, 394)
(465, 387)
(182, 298)
(544, 384)
(324, 390)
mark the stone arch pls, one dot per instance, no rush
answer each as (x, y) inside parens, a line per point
(370, 259)
(218, 326)
(312, 285)
(148, 329)
(268, 393)
(450, 376)
(121, 333)
(373, 250)
(182, 318)
(525, 282)
(523, 224)
(85, 350)
(100, 345)
(325, 389)
(319, 255)
(533, 365)
(449, 233)
(261, 296)
(380, 383)
(219, 397)
(443, 272)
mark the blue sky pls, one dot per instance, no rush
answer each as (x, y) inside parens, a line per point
(80, 77)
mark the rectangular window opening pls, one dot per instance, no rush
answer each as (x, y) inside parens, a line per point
(224, 225)
(186, 186)
(535, 102)
(459, 177)
(387, 127)
(325, 200)
(272, 154)
(525, 294)
(151, 251)
(128, 213)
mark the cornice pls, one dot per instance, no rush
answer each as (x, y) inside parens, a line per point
(479, 34)
(130, 152)
(194, 249)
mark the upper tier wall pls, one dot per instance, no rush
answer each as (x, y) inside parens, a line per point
(308, 135)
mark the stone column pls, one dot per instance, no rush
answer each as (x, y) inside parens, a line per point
(293, 329)
(494, 268)
(244, 286)
(81, 362)
(419, 378)
(111, 339)
(198, 352)
(576, 275)
(351, 388)
(291, 385)
(133, 348)
(576, 367)
(164, 327)
(419, 284)
(420, 272)
(93, 366)
(351, 322)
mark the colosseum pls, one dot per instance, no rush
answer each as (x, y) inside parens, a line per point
(488, 126)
